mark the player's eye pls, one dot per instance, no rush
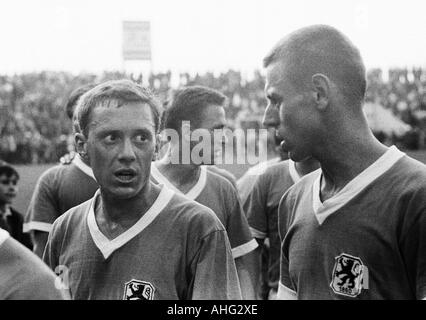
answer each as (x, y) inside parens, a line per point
(110, 138)
(141, 138)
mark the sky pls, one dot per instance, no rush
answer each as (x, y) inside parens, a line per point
(199, 35)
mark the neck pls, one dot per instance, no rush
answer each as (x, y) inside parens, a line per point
(126, 212)
(179, 174)
(347, 152)
(307, 166)
(3, 207)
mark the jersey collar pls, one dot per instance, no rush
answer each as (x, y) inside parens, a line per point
(106, 246)
(191, 194)
(295, 176)
(82, 166)
(322, 210)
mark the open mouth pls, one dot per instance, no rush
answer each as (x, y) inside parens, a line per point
(125, 175)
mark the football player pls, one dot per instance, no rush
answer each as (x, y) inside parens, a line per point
(356, 229)
(135, 239)
(60, 188)
(203, 109)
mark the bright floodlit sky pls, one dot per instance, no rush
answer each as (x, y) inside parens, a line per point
(199, 35)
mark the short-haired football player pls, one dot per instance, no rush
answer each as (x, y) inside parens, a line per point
(135, 240)
(60, 188)
(356, 229)
(203, 108)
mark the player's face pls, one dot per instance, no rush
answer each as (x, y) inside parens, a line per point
(8, 188)
(213, 118)
(290, 113)
(120, 145)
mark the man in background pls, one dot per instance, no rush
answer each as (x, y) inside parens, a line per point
(60, 188)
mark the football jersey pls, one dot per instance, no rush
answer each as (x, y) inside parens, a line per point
(177, 250)
(368, 241)
(23, 276)
(223, 173)
(261, 208)
(216, 193)
(58, 189)
(246, 182)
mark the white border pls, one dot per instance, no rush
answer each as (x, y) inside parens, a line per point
(193, 193)
(285, 293)
(244, 248)
(4, 235)
(82, 166)
(36, 225)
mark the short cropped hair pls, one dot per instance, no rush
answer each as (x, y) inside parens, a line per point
(74, 96)
(7, 170)
(321, 49)
(188, 103)
(118, 92)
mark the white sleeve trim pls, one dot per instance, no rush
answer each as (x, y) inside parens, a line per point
(4, 235)
(244, 248)
(258, 234)
(285, 293)
(35, 225)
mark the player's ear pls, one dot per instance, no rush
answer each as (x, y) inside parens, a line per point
(321, 92)
(81, 144)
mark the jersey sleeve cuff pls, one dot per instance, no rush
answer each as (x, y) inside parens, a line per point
(244, 248)
(36, 225)
(258, 234)
(285, 293)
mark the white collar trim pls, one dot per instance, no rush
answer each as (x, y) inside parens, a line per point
(106, 246)
(82, 166)
(4, 235)
(324, 209)
(191, 194)
(295, 176)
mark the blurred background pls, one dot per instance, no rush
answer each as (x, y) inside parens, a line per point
(49, 48)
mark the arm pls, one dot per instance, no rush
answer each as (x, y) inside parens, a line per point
(24, 276)
(42, 212)
(39, 239)
(248, 269)
(214, 275)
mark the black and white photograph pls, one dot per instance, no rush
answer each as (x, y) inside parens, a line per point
(234, 152)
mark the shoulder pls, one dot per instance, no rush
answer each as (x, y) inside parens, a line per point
(275, 171)
(223, 173)
(53, 174)
(73, 217)
(298, 190)
(188, 213)
(27, 277)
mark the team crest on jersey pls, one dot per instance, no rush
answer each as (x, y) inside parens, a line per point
(138, 290)
(349, 276)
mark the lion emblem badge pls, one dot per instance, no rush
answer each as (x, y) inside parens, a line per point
(349, 276)
(138, 290)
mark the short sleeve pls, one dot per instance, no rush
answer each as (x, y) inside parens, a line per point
(43, 208)
(254, 204)
(240, 237)
(214, 275)
(414, 253)
(283, 222)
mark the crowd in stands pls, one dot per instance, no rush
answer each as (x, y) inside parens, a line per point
(34, 127)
